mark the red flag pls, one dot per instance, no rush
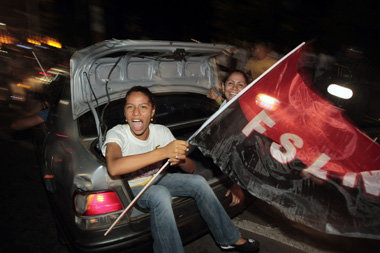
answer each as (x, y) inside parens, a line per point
(309, 128)
(276, 131)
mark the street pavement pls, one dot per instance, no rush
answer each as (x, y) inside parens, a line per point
(277, 234)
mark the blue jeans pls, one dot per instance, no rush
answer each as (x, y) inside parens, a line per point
(158, 199)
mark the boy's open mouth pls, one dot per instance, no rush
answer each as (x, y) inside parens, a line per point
(137, 124)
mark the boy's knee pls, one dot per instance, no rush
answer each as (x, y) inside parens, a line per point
(160, 196)
(201, 185)
(200, 181)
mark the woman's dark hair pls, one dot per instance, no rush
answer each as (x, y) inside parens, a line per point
(247, 81)
(143, 90)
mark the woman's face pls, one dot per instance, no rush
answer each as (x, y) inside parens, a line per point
(233, 85)
(138, 111)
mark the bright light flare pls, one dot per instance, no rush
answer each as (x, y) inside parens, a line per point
(267, 102)
(53, 43)
(100, 198)
(23, 85)
(6, 39)
(33, 41)
(340, 91)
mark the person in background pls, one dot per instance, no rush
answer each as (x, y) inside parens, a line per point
(137, 149)
(260, 61)
(215, 93)
(231, 58)
(36, 118)
(38, 115)
(234, 83)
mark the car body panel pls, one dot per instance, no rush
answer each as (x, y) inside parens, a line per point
(108, 69)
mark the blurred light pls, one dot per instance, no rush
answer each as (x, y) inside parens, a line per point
(93, 220)
(17, 98)
(58, 160)
(3, 26)
(58, 71)
(196, 41)
(29, 57)
(339, 91)
(32, 41)
(61, 135)
(6, 39)
(53, 43)
(43, 79)
(267, 102)
(42, 46)
(22, 46)
(44, 74)
(23, 85)
(64, 102)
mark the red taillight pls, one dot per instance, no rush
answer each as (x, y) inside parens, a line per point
(102, 203)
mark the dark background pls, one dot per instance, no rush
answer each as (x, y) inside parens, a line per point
(285, 23)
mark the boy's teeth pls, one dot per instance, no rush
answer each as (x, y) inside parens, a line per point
(137, 124)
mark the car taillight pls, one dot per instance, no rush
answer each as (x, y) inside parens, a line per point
(97, 203)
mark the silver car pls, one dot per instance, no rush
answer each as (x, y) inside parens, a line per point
(85, 199)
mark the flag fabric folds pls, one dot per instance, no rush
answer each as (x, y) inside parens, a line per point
(286, 145)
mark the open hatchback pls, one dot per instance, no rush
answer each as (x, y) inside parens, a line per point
(85, 199)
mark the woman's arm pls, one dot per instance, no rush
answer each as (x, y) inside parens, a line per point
(119, 165)
(26, 122)
(187, 165)
(237, 194)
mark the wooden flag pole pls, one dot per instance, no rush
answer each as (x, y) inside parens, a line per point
(137, 198)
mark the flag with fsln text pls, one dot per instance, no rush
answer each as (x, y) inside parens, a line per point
(288, 146)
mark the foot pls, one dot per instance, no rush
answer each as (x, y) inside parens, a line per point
(244, 245)
(240, 241)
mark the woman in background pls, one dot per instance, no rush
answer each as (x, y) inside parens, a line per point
(235, 82)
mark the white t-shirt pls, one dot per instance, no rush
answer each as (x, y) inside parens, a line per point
(159, 136)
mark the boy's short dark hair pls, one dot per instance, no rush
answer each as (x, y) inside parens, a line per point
(143, 90)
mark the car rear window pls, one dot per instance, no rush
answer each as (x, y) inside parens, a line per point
(173, 110)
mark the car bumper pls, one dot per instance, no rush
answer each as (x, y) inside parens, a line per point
(136, 237)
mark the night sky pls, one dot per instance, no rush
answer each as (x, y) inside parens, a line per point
(331, 24)
(286, 23)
